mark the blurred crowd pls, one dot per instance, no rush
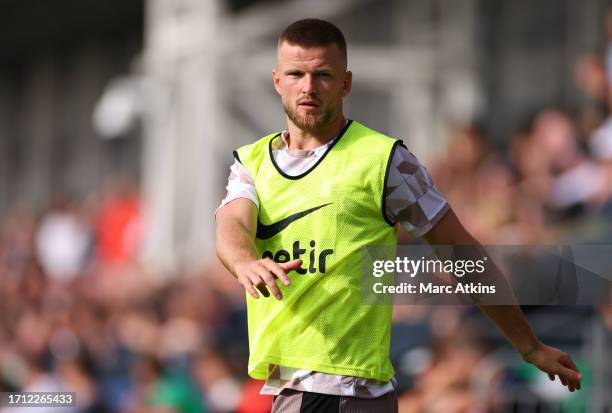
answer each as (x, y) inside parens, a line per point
(551, 178)
(549, 184)
(79, 313)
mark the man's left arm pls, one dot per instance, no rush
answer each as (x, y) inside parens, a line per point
(509, 318)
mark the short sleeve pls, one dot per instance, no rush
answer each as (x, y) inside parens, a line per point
(410, 195)
(240, 184)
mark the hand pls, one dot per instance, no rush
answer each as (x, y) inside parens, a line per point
(263, 273)
(555, 362)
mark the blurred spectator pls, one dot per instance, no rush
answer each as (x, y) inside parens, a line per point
(62, 241)
(601, 142)
(216, 380)
(444, 385)
(253, 402)
(574, 179)
(16, 240)
(119, 225)
(171, 390)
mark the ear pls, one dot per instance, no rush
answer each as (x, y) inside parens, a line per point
(348, 82)
(276, 80)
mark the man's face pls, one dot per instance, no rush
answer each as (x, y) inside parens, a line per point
(311, 82)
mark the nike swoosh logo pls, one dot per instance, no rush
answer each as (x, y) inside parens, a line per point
(268, 231)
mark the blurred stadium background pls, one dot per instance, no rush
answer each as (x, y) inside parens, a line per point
(117, 122)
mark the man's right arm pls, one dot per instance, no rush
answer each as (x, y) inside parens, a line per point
(236, 227)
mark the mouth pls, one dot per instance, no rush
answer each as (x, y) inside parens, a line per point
(308, 105)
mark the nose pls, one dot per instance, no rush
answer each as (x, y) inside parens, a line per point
(308, 85)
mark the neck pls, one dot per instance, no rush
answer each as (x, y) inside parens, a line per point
(302, 139)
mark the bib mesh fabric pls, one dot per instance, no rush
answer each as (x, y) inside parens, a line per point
(325, 217)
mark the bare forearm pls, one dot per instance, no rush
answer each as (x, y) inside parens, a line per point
(512, 322)
(509, 318)
(234, 244)
(236, 226)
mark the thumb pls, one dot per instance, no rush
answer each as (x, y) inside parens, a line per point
(570, 374)
(291, 265)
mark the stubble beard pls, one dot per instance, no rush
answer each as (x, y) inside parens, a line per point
(310, 122)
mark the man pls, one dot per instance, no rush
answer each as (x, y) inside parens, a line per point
(307, 200)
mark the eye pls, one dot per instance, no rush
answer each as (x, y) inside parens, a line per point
(324, 74)
(294, 74)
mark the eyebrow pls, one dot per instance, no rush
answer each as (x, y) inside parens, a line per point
(318, 70)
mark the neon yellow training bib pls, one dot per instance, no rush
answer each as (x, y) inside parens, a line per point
(324, 216)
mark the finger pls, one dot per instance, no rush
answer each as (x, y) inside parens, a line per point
(259, 284)
(576, 376)
(291, 265)
(248, 286)
(573, 374)
(262, 288)
(551, 377)
(570, 376)
(570, 384)
(277, 270)
(575, 381)
(269, 280)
